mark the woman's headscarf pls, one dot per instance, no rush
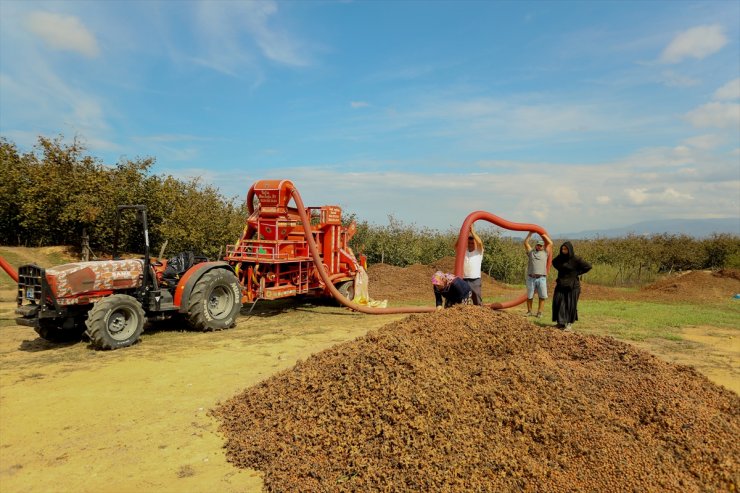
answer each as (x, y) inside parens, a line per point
(571, 253)
(440, 278)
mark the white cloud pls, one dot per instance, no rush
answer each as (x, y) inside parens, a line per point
(171, 138)
(729, 91)
(564, 196)
(498, 123)
(637, 195)
(673, 79)
(37, 97)
(705, 142)
(671, 195)
(697, 42)
(681, 151)
(276, 45)
(63, 33)
(651, 184)
(665, 196)
(719, 115)
(359, 104)
(232, 35)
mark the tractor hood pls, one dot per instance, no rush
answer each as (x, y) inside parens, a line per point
(89, 277)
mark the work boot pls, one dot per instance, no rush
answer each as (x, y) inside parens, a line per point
(529, 314)
(539, 315)
(568, 328)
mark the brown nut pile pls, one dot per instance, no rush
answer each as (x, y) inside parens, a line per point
(470, 399)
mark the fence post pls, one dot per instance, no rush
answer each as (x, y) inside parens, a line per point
(85, 245)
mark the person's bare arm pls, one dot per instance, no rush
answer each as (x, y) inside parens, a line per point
(527, 246)
(478, 241)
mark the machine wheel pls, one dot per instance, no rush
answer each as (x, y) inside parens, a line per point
(115, 322)
(347, 289)
(215, 301)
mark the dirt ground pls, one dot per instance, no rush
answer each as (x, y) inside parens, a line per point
(135, 420)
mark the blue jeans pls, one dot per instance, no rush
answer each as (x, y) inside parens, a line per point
(538, 283)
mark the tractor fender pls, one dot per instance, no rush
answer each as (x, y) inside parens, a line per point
(191, 277)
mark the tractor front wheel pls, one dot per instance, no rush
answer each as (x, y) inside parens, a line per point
(115, 322)
(215, 301)
(54, 333)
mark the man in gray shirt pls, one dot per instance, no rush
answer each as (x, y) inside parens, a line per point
(537, 272)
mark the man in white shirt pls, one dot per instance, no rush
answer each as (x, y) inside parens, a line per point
(472, 265)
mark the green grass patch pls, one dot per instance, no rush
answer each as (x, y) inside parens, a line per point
(611, 275)
(638, 321)
(58, 258)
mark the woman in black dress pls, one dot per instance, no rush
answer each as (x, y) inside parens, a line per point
(567, 286)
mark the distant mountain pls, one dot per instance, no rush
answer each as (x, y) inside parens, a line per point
(698, 228)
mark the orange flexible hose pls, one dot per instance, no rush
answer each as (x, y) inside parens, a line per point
(462, 242)
(324, 276)
(9, 269)
(460, 255)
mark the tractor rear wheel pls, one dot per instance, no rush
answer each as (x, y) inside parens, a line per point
(115, 322)
(215, 301)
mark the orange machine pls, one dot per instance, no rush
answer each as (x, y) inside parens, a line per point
(272, 258)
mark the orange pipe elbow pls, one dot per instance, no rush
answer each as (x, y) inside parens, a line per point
(503, 223)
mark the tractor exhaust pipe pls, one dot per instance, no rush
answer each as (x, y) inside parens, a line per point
(9, 269)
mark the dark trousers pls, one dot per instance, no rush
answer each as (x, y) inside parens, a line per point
(475, 287)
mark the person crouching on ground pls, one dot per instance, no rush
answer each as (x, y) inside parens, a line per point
(471, 267)
(567, 286)
(536, 272)
(450, 290)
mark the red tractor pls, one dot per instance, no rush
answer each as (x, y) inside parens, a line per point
(110, 300)
(272, 258)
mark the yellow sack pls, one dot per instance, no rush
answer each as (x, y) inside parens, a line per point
(361, 293)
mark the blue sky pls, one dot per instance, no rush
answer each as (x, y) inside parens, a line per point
(570, 115)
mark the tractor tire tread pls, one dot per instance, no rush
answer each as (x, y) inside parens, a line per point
(96, 323)
(196, 313)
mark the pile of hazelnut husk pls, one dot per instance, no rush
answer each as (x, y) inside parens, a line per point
(471, 399)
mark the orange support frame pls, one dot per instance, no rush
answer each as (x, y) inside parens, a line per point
(274, 250)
